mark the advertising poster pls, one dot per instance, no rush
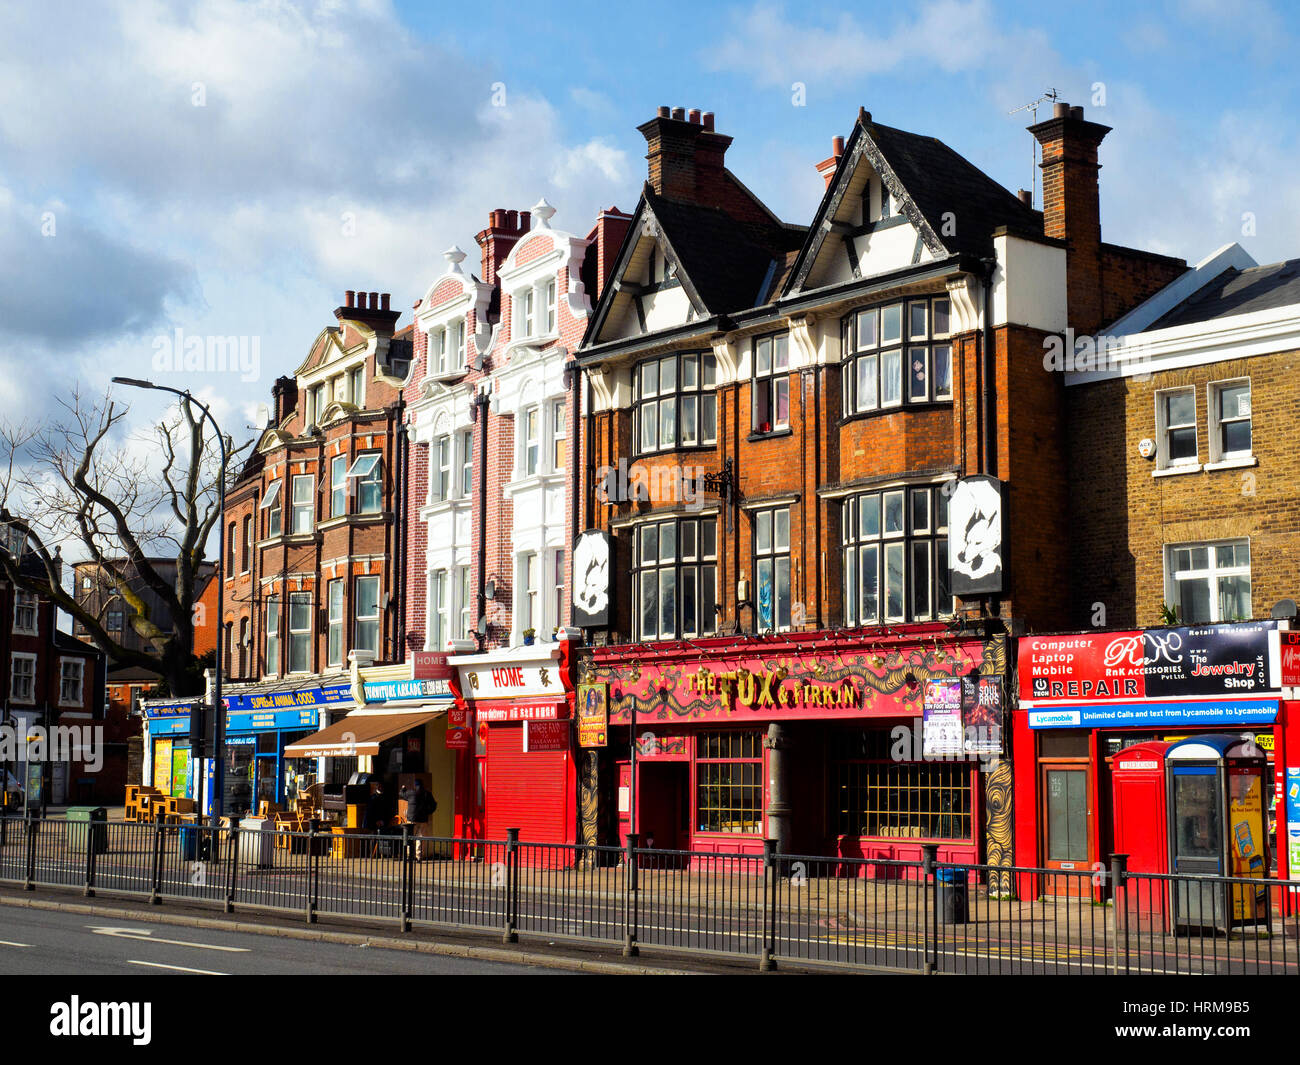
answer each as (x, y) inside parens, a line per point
(942, 730)
(460, 730)
(1247, 841)
(546, 736)
(1293, 822)
(982, 715)
(593, 715)
(162, 766)
(181, 771)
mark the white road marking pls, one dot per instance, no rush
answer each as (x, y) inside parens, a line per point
(146, 936)
(175, 968)
(6, 943)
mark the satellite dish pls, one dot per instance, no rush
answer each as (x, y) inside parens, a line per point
(1284, 609)
(263, 414)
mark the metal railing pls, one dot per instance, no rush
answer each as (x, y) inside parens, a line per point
(882, 914)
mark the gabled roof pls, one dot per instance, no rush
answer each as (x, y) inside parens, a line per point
(1236, 291)
(933, 186)
(724, 265)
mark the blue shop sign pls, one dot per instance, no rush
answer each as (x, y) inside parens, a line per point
(396, 690)
(1224, 712)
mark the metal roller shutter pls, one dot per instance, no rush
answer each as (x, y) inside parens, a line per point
(524, 791)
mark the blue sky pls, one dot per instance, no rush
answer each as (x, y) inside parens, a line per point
(229, 168)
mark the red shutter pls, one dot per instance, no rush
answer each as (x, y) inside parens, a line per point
(524, 791)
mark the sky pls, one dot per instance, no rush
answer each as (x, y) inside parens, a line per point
(229, 169)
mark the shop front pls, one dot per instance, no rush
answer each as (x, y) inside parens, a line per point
(866, 746)
(394, 733)
(260, 721)
(1086, 698)
(515, 725)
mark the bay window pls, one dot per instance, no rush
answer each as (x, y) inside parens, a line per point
(675, 402)
(338, 486)
(674, 578)
(366, 637)
(335, 624)
(367, 473)
(896, 354)
(300, 631)
(895, 545)
(304, 509)
(273, 635)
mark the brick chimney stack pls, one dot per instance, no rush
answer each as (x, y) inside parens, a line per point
(611, 227)
(1072, 207)
(503, 231)
(826, 168)
(370, 309)
(284, 393)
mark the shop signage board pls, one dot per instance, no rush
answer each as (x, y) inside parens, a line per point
(460, 729)
(262, 702)
(521, 710)
(546, 736)
(1293, 822)
(1290, 655)
(593, 585)
(593, 715)
(975, 536)
(388, 691)
(812, 685)
(1143, 678)
(430, 665)
(1224, 712)
(509, 679)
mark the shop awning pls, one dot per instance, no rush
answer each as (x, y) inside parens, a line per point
(360, 733)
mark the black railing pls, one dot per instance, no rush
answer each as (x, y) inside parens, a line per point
(922, 916)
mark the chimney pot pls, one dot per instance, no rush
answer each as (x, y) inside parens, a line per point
(707, 119)
(349, 297)
(361, 300)
(679, 113)
(663, 112)
(1076, 112)
(512, 221)
(694, 115)
(1060, 109)
(374, 301)
(1026, 197)
(837, 147)
(383, 301)
(525, 221)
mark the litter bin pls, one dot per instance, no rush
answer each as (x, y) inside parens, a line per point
(951, 885)
(256, 842)
(87, 827)
(194, 844)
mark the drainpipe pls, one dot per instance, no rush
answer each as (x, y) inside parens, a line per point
(480, 402)
(398, 577)
(575, 386)
(989, 400)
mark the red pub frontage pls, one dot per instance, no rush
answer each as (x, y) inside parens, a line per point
(816, 740)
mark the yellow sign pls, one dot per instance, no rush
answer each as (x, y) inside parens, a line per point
(1247, 841)
(593, 715)
(162, 766)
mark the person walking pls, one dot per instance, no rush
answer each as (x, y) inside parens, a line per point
(420, 806)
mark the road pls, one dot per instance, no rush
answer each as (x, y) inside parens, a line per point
(45, 942)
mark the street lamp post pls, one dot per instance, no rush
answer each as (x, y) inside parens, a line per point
(218, 708)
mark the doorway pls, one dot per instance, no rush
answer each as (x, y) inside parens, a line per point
(665, 803)
(1068, 807)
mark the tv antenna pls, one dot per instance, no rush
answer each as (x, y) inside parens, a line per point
(1032, 108)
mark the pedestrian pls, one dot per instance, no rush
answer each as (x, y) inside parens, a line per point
(377, 814)
(420, 806)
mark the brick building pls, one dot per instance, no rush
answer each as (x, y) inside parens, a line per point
(494, 471)
(779, 417)
(51, 681)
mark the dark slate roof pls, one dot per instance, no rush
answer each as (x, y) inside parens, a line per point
(1261, 288)
(732, 265)
(939, 181)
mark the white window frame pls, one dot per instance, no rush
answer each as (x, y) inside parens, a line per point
(27, 601)
(334, 624)
(303, 506)
(555, 567)
(559, 432)
(549, 289)
(367, 470)
(1163, 429)
(359, 619)
(1214, 391)
(296, 635)
(80, 664)
(440, 481)
(271, 504)
(272, 644)
(465, 602)
(1211, 573)
(338, 486)
(458, 349)
(465, 442)
(14, 696)
(529, 569)
(439, 618)
(357, 385)
(528, 313)
(530, 446)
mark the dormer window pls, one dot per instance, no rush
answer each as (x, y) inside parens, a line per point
(438, 351)
(549, 291)
(458, 345)
(357, 386)
(528, 319)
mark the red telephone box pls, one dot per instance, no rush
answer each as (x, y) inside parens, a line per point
(1140, 823)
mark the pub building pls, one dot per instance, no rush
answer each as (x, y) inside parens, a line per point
(818, 740)
(1086, 697)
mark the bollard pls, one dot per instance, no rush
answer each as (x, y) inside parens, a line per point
(408, 875)
(632, 902)
(930, 914)
(1119, 902)
(767, 961)
(511, 932)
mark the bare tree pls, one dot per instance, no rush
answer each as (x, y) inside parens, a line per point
(119, 502)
